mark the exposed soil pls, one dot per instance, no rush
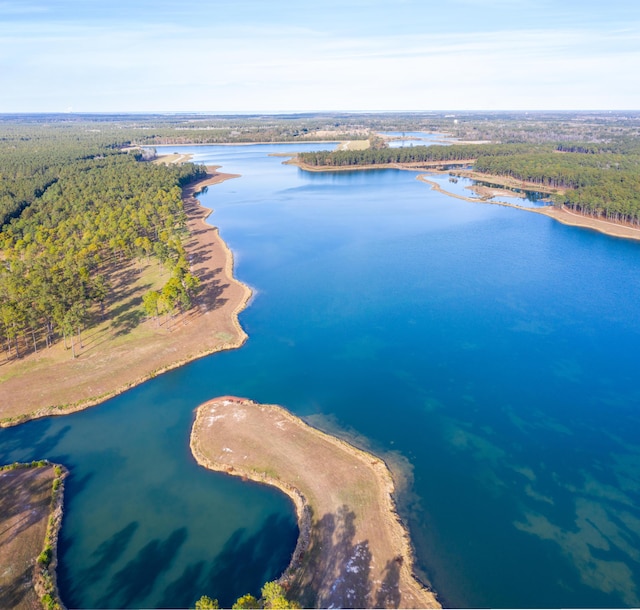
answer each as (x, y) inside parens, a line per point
(25, 499)
(130, 350)
(353, 551)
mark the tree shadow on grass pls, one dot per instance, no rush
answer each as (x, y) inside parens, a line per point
(337, 570)
(125, 322)
(25, 494)
(13, 593)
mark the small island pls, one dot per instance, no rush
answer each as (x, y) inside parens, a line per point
(352, 550)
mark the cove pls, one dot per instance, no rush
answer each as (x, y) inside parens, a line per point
(495, 351)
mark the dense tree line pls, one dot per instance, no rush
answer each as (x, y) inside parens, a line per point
(411, 154)
(601, 184)
(600, 179)
(75, 210)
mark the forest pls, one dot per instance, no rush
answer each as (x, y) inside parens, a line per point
(78, 199)
(74, 210)
(601, 179)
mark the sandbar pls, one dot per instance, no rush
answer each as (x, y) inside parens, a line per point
(562, 215)
(353, 550)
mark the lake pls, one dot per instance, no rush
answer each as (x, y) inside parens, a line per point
(491, 354)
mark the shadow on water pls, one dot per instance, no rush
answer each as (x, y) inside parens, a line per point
(107, 553)
(31, 441)
(131, 585)
(243, 566)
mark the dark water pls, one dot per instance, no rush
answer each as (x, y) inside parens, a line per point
(496, 351)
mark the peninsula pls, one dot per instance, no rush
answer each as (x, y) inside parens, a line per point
(352, 550)
(113, 359)
(561, 213)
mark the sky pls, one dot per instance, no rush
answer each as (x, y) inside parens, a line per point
(331, 55)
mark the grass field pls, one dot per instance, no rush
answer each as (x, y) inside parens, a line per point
(25, 507)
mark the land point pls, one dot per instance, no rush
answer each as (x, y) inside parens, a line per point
(352, 551)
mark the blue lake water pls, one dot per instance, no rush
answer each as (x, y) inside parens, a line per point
(492, 351)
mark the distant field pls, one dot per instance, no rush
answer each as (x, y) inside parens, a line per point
(354, 145)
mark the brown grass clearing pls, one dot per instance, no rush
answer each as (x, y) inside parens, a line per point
(25, 508)
(353, 550)
(354, 145)
(126, 349)
(172, 158)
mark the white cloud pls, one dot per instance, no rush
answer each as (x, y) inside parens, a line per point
(249, 68)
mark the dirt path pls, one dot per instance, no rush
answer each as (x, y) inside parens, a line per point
(353, 552)
(117, 357)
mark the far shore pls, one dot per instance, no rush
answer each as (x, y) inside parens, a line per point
(352, 551)
(562, 215)
(52, 383)
(332, 141)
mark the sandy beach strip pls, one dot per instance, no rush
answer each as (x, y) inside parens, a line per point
(352, 551)
(562, 215)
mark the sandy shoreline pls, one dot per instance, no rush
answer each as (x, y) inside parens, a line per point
(562, 215)
(97, 375)
(352, 551)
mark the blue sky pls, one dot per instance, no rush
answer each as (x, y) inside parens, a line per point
(280, 55)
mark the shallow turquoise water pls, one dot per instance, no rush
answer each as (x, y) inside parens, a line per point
(494, 350)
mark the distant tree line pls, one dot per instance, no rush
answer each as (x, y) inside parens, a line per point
(600, 179)
(410, 154)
